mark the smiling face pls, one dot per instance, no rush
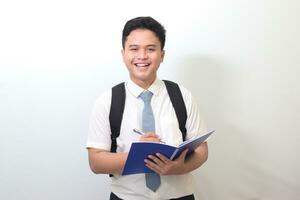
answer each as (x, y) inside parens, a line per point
(142, 54)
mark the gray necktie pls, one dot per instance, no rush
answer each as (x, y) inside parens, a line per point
(148, 125)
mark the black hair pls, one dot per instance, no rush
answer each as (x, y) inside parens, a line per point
(144, 23)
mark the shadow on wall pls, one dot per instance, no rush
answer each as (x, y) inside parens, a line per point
(206, 78)
(238, 167)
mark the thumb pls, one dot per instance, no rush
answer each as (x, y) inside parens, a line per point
(183, 154)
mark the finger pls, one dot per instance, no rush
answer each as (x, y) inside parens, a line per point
(148, 138)
(151, 140)
(150, 134)
(153, 166)
(163, 158)
(156, 160)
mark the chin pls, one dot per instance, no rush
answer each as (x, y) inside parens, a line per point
(142, 78)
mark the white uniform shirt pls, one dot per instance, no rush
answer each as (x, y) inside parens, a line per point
(133, 187)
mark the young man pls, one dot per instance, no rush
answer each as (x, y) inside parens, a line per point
(143, 51)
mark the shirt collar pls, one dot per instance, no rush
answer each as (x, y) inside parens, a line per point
(137, 90)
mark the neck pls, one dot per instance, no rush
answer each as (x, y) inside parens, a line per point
(145, 84)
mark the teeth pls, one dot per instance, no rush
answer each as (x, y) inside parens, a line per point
(141, 65)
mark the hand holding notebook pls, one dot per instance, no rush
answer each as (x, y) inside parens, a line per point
(141, 150)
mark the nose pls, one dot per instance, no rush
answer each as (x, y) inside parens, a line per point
(142, 54)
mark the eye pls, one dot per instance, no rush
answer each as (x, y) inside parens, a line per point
(133, 49)
(151, 49)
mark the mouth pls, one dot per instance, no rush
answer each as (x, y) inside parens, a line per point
(142, 64)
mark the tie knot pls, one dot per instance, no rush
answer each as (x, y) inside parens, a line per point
(146, 96)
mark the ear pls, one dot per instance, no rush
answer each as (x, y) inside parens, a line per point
(123, 53)
(162, 55)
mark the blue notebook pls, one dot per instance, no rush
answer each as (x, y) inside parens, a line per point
(139, 151)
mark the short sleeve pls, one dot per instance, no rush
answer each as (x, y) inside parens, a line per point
(195, 125)
(99, 128)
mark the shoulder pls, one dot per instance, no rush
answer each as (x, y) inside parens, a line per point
(103, 101)
(186, 94)
(105, 98)
(187, 97)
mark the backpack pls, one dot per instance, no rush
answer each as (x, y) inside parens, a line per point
(118, 103)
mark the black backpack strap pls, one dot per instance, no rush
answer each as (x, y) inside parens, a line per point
(178, 104)
(116, 113)
(118, 96)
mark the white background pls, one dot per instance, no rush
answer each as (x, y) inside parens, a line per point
(240, 58)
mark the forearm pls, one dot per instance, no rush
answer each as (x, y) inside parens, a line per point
(104, 162)
(199, 157)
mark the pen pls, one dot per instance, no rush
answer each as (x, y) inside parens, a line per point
(138, 132)
(142, 133)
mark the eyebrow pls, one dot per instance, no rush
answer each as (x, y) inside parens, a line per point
(135, 45)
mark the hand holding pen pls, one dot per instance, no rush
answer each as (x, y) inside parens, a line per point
(148, 137)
